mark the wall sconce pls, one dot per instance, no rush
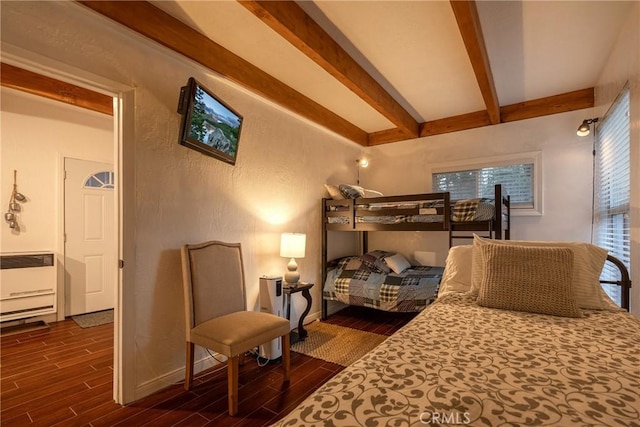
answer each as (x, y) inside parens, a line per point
(292, 246)
(584, 129)
(11, 216)
(362, 163)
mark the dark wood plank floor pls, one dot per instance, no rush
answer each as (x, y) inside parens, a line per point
(63, 377)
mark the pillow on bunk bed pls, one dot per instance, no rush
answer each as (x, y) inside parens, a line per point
(348, 191)
(457, 270)
(374, 260)
(334, 192)
(533, 279)
(372, 193)
(351, 191)
(587, 266)
(397, 263)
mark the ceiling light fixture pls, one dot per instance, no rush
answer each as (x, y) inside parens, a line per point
(584, 129)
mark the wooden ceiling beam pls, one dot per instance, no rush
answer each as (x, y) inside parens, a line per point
(293, 24)
(162, 28)
(37, 84)
(456, 123)
(562, 103)
(466, 14)
(570, 101)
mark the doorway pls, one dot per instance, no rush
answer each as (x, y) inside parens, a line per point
(89, 236)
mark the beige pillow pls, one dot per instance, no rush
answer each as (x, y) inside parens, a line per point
(457, 270)
(334, 192)
(528, 278)
(398, 263)
(588, 262)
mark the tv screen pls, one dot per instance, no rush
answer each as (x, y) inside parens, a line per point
(208, 124)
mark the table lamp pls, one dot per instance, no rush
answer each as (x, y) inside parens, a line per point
(292, 246)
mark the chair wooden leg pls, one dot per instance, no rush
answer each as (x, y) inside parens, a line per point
(286, 356)
(188, 377)
(232, 379)
(242, 359)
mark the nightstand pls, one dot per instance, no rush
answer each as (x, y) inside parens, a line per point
(289, 290)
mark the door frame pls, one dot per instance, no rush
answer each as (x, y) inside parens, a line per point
(124, 163)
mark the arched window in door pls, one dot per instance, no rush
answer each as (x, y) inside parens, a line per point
(100, 180)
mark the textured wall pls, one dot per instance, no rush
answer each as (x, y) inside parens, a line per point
(181, 195)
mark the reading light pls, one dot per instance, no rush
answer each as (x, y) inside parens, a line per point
(292, 246)
(362, 163)
(583, 129)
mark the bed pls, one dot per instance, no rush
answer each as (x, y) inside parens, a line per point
(460, 362)
(347, 211)
(370, 281)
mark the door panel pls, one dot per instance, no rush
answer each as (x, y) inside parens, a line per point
(90, 250)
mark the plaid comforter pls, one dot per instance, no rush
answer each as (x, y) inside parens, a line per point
(363, 282)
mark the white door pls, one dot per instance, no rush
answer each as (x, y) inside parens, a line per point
(90, 248)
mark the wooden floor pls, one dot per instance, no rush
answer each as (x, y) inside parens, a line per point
(63, 377)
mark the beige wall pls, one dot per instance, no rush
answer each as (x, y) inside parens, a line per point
(182, 196)
(566, 176)
(36, 135)
(623, 66)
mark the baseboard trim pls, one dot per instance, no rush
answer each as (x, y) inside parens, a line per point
(173, 377)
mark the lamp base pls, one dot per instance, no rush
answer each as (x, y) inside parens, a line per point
(292, 276)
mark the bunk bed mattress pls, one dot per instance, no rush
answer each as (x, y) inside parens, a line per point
(353, 283)
(459, 363)
(467, 210)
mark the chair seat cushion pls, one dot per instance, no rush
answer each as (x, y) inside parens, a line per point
(235, 333)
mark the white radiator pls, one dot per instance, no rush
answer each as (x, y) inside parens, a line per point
(28, 285)
(271, 302)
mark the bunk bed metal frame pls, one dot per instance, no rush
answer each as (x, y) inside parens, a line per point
(499, 227)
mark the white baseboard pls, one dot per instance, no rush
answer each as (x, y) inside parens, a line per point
(170, 378)
(176, 376)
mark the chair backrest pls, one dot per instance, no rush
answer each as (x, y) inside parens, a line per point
(213, 281)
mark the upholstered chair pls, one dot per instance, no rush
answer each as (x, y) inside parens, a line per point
(216, 311)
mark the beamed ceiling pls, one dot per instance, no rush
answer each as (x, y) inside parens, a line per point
(377, 72)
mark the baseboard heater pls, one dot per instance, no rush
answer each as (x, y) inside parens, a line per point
(28, 285)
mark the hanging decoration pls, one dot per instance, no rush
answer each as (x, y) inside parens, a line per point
(11, 216)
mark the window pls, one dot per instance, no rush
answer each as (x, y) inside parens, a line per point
(612, 188)
(100, 180)
(519, 176)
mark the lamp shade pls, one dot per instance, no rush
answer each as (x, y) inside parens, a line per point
(583, 129)
(292, 245)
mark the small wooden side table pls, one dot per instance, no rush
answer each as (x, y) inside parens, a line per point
(289, 290)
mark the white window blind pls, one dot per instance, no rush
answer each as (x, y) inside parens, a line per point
(612, 188)
(517, 181)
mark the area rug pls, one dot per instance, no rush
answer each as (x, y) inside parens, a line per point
(94, 319)
(337, 344)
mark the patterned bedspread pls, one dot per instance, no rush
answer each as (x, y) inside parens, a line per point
(353, 283)
(457, 363)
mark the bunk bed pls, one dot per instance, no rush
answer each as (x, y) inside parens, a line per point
(370, 283)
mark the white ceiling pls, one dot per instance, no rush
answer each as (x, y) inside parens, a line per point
(415, 51)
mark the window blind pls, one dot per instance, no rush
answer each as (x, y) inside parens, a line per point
(612, 188)
(517, 182)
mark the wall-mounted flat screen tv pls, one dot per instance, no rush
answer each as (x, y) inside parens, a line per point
(208, 124)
